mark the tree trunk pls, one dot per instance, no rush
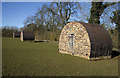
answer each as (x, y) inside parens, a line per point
(95, 12)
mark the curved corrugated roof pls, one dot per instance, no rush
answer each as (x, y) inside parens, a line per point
(97, 34)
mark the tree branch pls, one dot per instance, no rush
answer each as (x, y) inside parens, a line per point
(105, 6)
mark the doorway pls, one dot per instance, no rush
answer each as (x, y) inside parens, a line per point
(71, 42)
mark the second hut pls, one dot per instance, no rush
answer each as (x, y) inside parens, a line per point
(27, 35)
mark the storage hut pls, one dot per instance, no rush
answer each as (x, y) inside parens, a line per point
(90, 41)
(16, 34)
(27, 35)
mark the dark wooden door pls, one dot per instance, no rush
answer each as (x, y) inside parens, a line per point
(71, 42)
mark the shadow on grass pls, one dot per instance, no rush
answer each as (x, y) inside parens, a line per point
(43, 41)
(38, 41)
(115, 54)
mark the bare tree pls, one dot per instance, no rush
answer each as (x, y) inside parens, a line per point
(63, 10)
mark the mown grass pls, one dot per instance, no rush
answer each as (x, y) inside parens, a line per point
(43, 59)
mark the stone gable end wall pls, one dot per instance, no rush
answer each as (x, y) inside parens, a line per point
(81, 45)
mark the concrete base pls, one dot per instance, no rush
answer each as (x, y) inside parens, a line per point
(101, 57)
(86, 57)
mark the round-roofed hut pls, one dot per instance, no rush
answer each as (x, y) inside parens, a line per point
(16, 34)
(85, 40)
(27, 35)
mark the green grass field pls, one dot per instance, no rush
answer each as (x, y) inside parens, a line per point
(43, 59)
